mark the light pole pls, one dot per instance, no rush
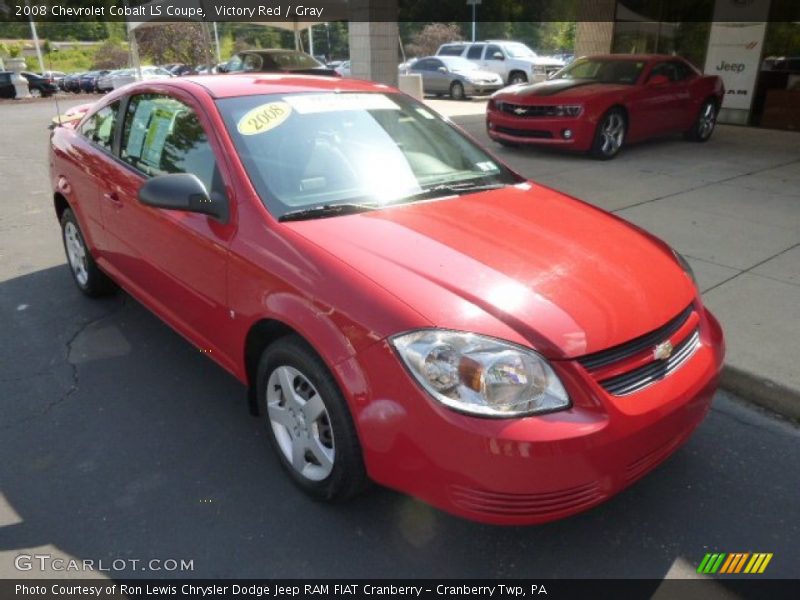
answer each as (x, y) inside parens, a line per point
(36, 42)
(474, 4)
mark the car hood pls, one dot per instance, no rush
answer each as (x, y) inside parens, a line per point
(477, 74)
(523, 263)
(560, 89)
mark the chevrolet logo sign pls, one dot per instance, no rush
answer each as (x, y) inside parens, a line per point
(663, 351)
(520, 111)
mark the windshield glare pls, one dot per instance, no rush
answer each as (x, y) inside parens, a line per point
(456, 63)
(603, 70)
(519, 51)
(317, 149)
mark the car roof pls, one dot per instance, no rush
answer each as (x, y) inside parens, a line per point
(231, 85)
(272, 51)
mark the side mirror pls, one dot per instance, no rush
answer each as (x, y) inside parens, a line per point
(658, 80)
(183, 191)
(442, 69)
(498, 56)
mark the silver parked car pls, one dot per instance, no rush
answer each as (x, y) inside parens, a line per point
(455, 76)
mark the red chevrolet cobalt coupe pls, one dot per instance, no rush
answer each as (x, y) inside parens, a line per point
(599, 103)
(402, 306)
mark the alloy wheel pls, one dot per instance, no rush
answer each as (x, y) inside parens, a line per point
(76, 253)
(300, 422)
(707, 120)
(612, 134)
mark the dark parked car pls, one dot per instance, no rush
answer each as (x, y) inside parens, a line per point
(88, 81)
(276, 61)
(182, 70)
(38, 85)
(71, 83)
(6, 87)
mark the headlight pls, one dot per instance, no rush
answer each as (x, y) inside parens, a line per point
(568, 110)
(480, 375)
(687, 268)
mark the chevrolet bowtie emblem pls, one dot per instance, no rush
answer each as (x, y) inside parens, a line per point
(663, 351)
(520, 111)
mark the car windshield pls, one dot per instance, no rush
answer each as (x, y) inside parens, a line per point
(293, 60)
(603, 70)
(518, 50)
(456, 63)
(318, 150)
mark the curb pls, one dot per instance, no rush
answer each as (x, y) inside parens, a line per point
(763, 392)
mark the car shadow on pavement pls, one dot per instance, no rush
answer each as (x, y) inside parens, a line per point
(122, 441)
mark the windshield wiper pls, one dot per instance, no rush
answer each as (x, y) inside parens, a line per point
(326, 210)
(349, 208)
(454, 188)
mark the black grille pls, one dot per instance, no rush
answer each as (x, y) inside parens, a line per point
(618, 353)
(523, 111)
(635, 380)
(524, 133)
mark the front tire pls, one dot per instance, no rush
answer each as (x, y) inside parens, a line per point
(610, 135)
(704, 125)
(85, 272)
(308, 421)
(457, 91)
(517, 77)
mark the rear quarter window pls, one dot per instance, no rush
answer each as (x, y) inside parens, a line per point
(99, 127)
(451, 50)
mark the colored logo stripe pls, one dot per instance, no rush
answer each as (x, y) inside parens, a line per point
(758, 563)
(734, 562)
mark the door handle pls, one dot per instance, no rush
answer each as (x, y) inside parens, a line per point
(113, 197)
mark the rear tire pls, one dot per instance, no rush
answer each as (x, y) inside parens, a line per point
(704, 125)
(85, 272)
(310, 427)
(610, 135)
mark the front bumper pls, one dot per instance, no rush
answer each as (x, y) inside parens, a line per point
(481, 89)
(541, 130)
(527, 470)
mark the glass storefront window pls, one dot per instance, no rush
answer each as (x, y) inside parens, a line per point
(649, 26)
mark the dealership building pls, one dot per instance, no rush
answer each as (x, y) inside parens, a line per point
(756, 55)
(750, 44)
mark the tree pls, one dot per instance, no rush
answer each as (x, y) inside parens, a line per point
(433, 35)
(558, 36)
(173, 43)
(110, 55)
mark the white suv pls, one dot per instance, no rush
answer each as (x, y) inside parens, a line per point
(513, 61)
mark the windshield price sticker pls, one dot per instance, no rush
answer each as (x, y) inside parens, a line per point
(264, 118)
(317, 103)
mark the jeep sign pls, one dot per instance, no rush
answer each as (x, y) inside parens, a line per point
(734, 53)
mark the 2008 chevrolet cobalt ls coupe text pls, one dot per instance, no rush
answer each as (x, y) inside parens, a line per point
(402, 306)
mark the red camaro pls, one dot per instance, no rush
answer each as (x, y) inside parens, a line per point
(401, 305)
(599, 103)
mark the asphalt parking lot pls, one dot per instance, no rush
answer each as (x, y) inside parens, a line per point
(121, 441)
